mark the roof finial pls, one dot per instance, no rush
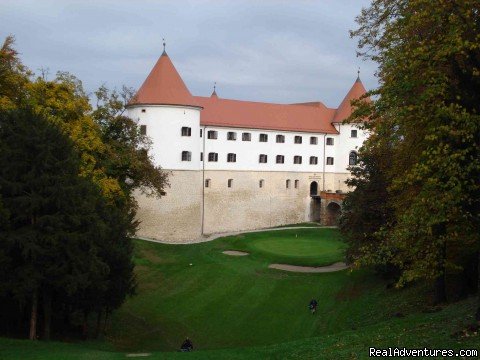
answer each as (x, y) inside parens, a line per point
(164, 52)
(358, 74)
(214, 93)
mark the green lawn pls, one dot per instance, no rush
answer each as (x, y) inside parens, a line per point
(314, 247)
(235, 307)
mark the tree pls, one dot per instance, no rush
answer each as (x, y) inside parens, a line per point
(428, 107)
(128, 160)
(14, 76)
(52, 214)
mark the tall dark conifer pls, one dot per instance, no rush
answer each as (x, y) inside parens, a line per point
(52, 214)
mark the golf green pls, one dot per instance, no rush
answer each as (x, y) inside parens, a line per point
(308, 247)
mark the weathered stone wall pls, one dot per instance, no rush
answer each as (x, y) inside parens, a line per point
(245, 206)
(178, 214)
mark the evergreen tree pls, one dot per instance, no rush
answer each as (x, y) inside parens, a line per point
(52, 214)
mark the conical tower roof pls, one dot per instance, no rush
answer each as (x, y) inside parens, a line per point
(345, 108)
(164, 86)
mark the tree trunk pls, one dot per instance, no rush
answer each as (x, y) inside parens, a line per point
(440, 288)
(99, 323)
(85, 326)
(105, 322)
(47, 313)
(33, 316)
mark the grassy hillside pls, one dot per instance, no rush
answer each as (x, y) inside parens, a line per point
(235, 307)
(221, 301)
(414, 331)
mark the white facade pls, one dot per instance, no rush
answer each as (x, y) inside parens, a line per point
(164, 126)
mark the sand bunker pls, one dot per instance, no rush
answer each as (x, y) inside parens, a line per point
(310, 269)
(235, 253)
(138, 355)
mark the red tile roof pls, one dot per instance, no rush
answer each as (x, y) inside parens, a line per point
(345, 108)
(164, 86)
(256, 115)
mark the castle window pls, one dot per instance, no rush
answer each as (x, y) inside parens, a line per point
(186, 131)
(280, 159)
(143, 129)
(207, 182)
(287, 184)
(230, 183)
(212, 134)
(297, 183)
(329, 141)
(313, 140)
(201, 156)
(352, 158)
(280, 139)
(263, 138)
(232, 136)
(261, 183)
(353, 133)
(201, 132)
(298, 139)
(297, 159)
(186, 156)
(329, 160)
(231, 157)
(313, 160)
(262, 159)
(246, 137)
(213, 157)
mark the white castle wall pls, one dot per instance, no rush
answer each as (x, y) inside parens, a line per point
(164, 126)
(189, 209)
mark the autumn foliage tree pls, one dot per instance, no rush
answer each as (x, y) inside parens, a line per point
(428, 111)
(67, 206)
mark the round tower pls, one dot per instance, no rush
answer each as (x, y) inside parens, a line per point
(169, 115)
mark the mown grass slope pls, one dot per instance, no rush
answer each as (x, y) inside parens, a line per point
(235, 307)
(413, 331)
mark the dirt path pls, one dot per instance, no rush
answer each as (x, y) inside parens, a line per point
(310, 269)
(219, 235)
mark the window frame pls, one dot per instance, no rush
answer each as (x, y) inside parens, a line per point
(261, 156)
(315, 160)
(215, 157)
(186, 131)
(355, 154)
(313, 140)
(234, 156)
(331, 140)
(352, 132)
(327, 160)
(263, 136)
(246, 136)
(282, 157)
(186, 155)
(280, 139)
(212, 134)
(231, 136)
(297, 160)
(298, 139)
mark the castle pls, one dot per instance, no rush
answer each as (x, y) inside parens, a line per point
(240, 165)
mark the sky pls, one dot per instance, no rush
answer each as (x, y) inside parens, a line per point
(264, 50)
